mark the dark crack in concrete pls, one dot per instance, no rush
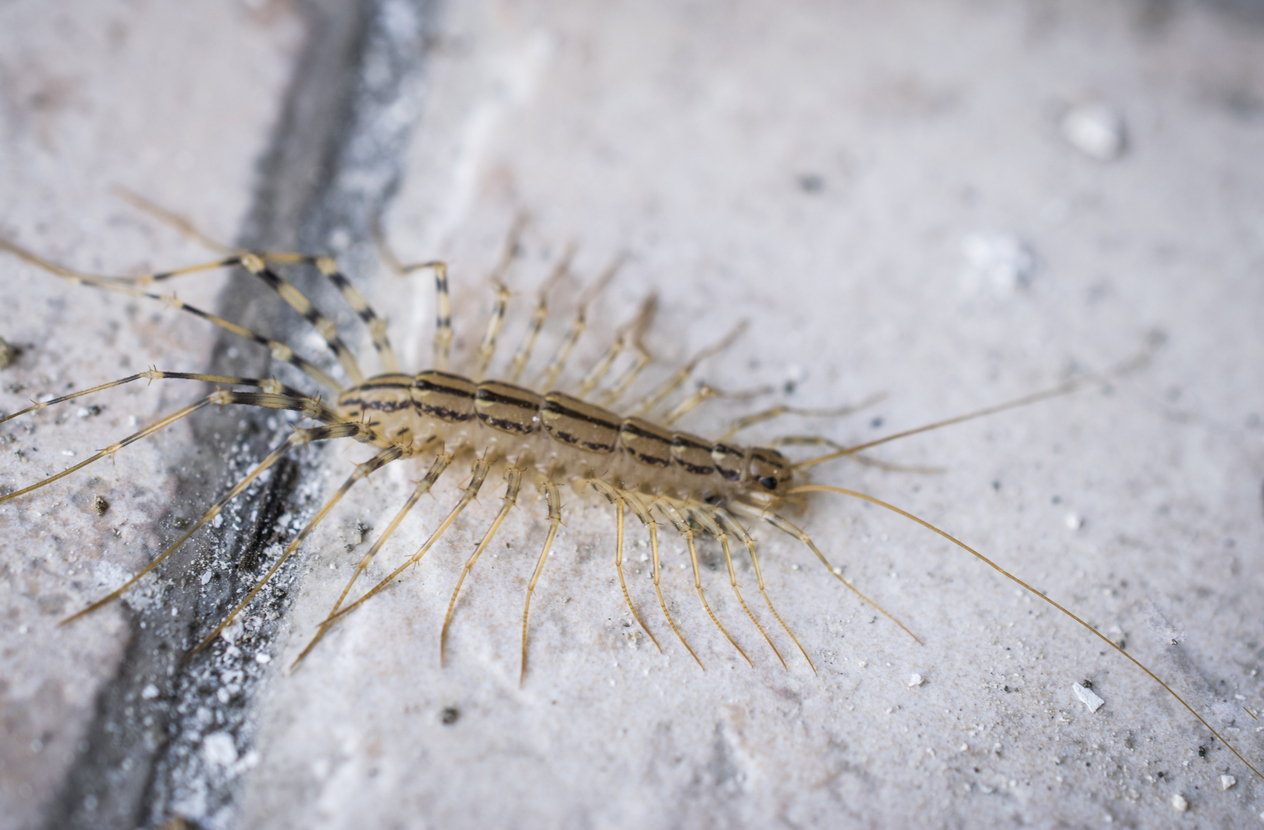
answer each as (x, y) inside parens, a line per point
(173, 733)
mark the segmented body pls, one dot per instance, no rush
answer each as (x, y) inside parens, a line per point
(636, 462)
(560, 431)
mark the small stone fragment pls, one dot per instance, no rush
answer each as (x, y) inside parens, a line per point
(1096, 130)
(1227, 781)
(1088, 697)
(996, 262)
(219, 749)
(916, 680)
(1179, 804)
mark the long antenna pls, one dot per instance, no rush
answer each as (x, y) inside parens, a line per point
(1065, 388)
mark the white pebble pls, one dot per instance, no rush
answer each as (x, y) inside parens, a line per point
(151, 691)
(219, 749)
(1095, 130)
(1088, 697)
(1179, 804)
(1227, 781)
(1074, 522)
(916, 680)
(997, 262)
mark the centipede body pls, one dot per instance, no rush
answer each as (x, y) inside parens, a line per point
(1004, 520)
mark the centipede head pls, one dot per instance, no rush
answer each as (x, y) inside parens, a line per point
(769, 472)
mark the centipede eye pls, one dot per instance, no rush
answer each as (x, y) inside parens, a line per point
(768, 482)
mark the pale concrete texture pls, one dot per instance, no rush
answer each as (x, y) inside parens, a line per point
(175, 100)
(952, 203)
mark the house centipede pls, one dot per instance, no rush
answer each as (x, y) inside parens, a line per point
(532, 433)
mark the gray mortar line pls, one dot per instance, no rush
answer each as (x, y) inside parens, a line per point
(335, 161)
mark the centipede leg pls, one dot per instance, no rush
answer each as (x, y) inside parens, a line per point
(724, 518)
(257, 264)
(479, 474)
(699, 514)
(329, 268)
(859, 458)
(781, 409)
(311, 407)
(151, 375)
(523, 353)
(441, 462)
(635, 336)
(555, 366)
(791, 530)
(683, 528)
(514, 478)
(685, 372)
(642, 513)
(361, 471)
(554, 500)
(628, 334)
(614, 498)
(126, 286)
(298, 438)
(706, 392)
(487, 347)
(443, 305)
(443, 314)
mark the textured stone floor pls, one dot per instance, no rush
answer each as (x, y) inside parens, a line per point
(954, 204)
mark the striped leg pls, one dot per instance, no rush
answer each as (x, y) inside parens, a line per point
(697, 512)
(487, 347)
(299, 437)
(443, 298)
(777, 411)
(267, 384)
(791, 530)
(555, 366)
(514, 478)
(520, 357)
(441, 462)
(555, 520)
(123, 285)
(326, 265)
(642, 513)
(481, 467)
(684, 372)
(311, 407)
(639, 326)
(629, 334)
(443, 312)
(329, 268)
(319, 321)
(704, 393)
(682, 527)
(375, 463)
(725, 519)
(614, 498)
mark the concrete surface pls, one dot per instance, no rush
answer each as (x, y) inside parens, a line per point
(892, 194)
(176, 101)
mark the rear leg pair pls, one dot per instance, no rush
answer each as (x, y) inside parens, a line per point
(271, 394)
(513, 478)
